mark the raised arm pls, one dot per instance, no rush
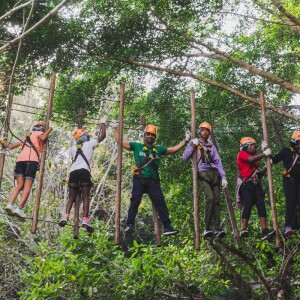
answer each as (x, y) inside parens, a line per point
(125, 144)
(10, 146)
(102, 136)
(179, 146)
(43, 137)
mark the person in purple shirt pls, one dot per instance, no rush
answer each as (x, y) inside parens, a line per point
(211, 176)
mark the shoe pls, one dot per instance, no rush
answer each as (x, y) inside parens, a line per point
(207, 234)
(20, 214)
(219, 234)
(129, 229)
(267, 233)
(169, 230)
(86, 224)
(63, 222)
(244, 233)
(288, 231)
(10, 208)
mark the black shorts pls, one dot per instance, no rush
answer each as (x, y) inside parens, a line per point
(26, 169)
(80, 176)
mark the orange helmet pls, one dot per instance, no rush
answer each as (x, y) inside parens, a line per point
(295, 136)
(205, 125)
(151, 129)
(247, 141)
(40, 123)
(78, 133)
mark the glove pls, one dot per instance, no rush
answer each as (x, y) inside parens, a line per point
(195, 142)
(224, 183)
(103, 120)
(188, 136)
(264, 145)
(267, 152)
(114, 124)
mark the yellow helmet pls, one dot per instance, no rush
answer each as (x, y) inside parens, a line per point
(205, 125)
(295, 136)
(40, 123)
(247, 140)
(151, 129)
(78, 133)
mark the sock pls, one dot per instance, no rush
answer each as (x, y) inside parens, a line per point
(67, 215)
(85, 219)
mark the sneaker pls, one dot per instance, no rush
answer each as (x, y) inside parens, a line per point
(207, 234)
(267, 233)
(288, 231)
(63, 221)
(219, 234)
(86, 224)
(129, 229)
(10, 208)
(19, 213)
(244, 233)
(169, 230)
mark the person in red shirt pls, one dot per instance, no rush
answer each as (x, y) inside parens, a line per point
(250, 189)
(26, 166)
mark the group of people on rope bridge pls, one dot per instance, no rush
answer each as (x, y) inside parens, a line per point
(147, 156)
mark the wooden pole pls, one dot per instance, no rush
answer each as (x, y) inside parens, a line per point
(43, 157)
(78, 195)
(154, 211)
(269, 170)
(119, 164)
(232, 217)
(195, 173)
(5, 132)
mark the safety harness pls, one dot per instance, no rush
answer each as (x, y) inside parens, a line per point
(80, 152)
(28, 140)
(286, 173)
(205, 157)
(149, 160)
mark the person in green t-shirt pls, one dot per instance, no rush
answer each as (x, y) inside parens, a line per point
(146, 177)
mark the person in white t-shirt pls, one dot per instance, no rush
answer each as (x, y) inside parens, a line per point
(80, 173)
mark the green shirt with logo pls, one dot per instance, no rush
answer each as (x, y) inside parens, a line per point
(140, 152)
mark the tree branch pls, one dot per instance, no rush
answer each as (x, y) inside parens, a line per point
(205, 80)
(285, 12)
(43, 20)
(243, 64)
(13, 10)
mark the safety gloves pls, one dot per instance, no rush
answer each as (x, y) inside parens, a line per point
(188, 136)
(114, 124)
(265, 147)
(224, 183)
(195, 141)
(103, 120)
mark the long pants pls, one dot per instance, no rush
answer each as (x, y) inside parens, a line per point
(292, 202)
(151, 187)
(211, 187)
(253, 194)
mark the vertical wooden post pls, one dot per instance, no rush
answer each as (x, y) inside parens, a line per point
(43, 157)
(78, 195)
(195, 173)
(269, 170)
(232, 218)
(119, 164)
(154, 211)
(5, 131)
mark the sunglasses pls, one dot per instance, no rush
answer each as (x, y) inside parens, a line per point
(150, 134)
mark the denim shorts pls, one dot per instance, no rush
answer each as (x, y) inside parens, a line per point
(26, 169)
